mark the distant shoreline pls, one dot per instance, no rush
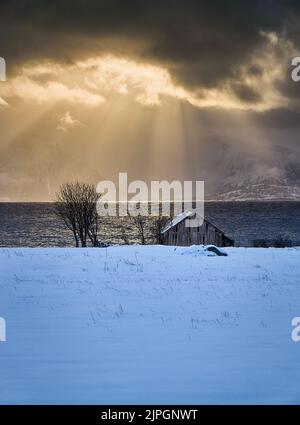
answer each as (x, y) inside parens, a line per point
(206, 201)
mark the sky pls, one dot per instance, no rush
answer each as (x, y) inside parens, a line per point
(184, 90)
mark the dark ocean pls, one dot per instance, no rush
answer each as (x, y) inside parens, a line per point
(35, 224)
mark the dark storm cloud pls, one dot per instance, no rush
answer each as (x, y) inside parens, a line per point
(200, 42)
(246, 93)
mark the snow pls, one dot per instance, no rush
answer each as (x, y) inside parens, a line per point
(148, 324)
(197, 250)
(178, 219)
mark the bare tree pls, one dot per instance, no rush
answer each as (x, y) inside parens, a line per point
(140, 223)
(76, 206)
(157, 225)
(124, 233)
(150, 228)
(93, 228)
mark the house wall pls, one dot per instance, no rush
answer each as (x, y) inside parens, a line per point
(206, 234)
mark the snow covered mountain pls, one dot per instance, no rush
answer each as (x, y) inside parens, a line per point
(271, 175)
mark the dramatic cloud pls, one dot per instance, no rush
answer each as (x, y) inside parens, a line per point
(3, 103)
(199, 42)
(67, 122)
(28, 89)
(172, 88)
(209, 52)
(257, 85)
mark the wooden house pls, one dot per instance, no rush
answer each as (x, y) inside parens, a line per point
(178, 233)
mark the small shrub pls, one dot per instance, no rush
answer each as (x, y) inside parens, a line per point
(260, 243)
(281, 242)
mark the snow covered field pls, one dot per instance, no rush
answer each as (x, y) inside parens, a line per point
(149, 325)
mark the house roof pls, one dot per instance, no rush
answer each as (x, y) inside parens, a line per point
(183, 216)
(178, 219)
